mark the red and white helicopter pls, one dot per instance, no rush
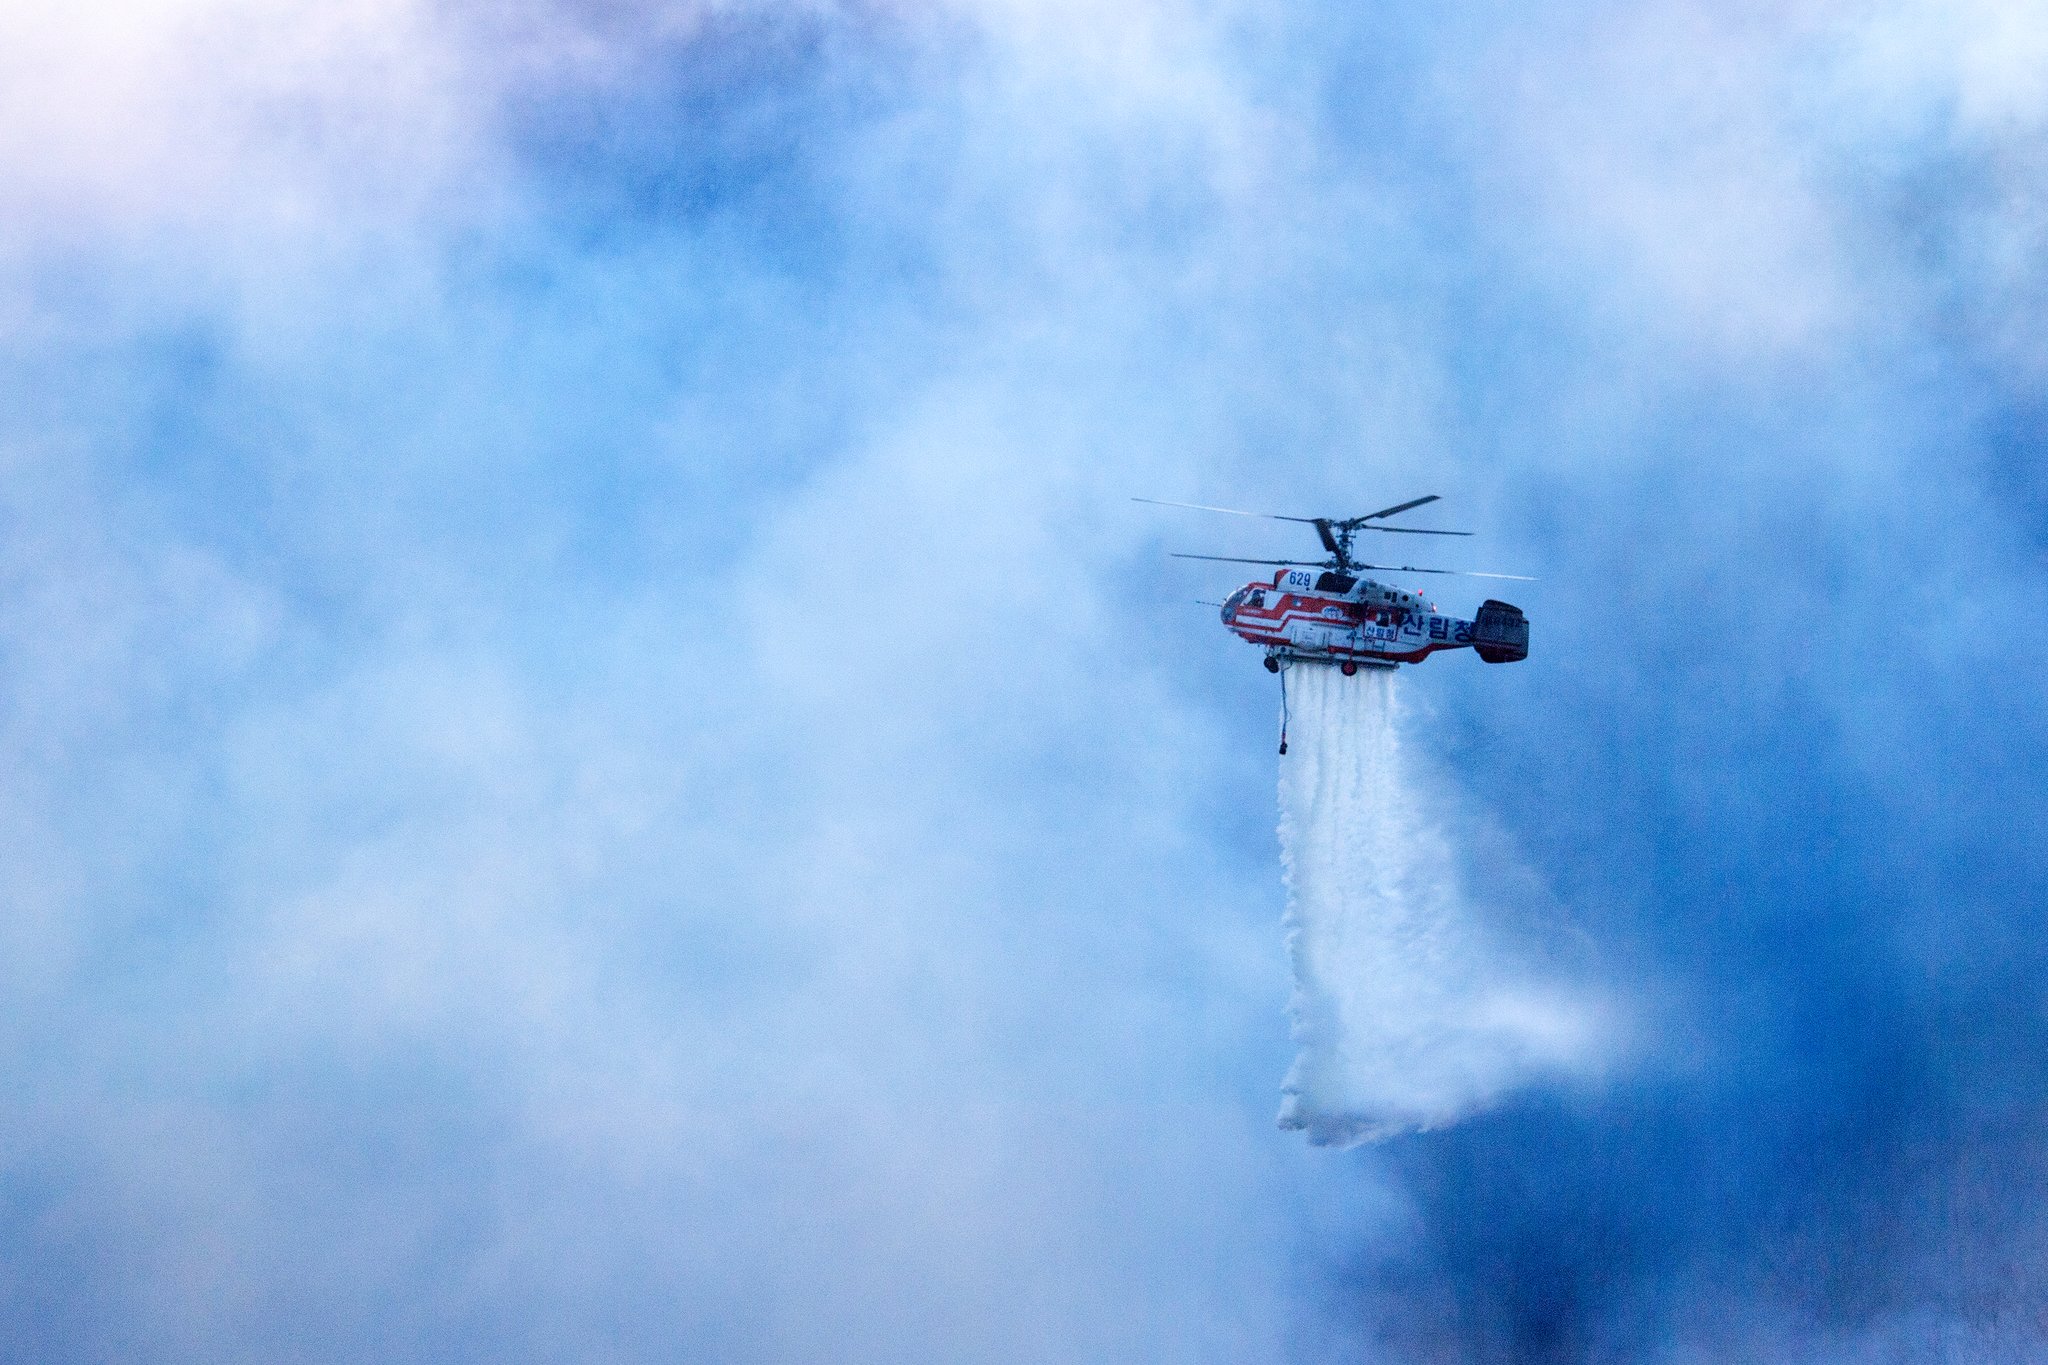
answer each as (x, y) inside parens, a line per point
(1324, 611)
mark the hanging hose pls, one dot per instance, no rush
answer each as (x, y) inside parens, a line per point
(1283, 709)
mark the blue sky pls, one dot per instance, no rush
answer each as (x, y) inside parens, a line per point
(598, 765)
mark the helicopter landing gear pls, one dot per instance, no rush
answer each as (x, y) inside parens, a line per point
(1347, 668)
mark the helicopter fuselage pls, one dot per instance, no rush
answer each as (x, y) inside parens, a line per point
(1329, 616)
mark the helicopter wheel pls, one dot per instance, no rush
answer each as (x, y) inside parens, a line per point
(1348, 668)
(1272, 664)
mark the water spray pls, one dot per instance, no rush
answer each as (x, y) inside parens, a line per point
(1408, 1011)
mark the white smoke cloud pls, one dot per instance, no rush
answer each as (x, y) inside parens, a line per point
(821, 934)
(421, 900)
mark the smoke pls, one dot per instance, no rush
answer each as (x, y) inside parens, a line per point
(594, 765)
(1409, 1012)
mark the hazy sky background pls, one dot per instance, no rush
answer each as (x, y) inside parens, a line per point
(598, 767)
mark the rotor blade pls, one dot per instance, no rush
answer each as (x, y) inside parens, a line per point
(1461, 573)
(1382, 568)
(1414, 531)
(1322, 525)
(1232, 511)
(1388, 512)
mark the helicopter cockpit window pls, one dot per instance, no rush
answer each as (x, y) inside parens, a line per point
(1255, 599)
(1336, 582)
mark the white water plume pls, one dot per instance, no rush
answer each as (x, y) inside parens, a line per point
(1408, 1014)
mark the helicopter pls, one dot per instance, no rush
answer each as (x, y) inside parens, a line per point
(1326, 612)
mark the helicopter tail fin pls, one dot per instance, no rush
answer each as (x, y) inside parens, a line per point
(1500, 633)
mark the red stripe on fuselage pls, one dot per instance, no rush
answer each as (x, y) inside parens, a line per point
(1267, 626)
